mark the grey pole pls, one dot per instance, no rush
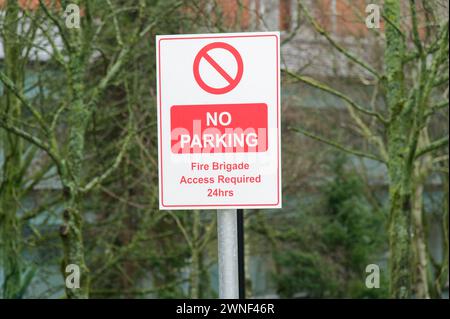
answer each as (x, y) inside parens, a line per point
(228, 253)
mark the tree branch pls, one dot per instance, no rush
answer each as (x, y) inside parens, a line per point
(441, 80)
(336, 145)
(391, 23)
(122, 57)
(415, 28)
(57, 23)
(32, 139)
(10, 86)
(338, 47)
(99, 179)
(437, 107)
(324, 87)
(441, 54)
(116, 24)
(50, 38)
(432, 146)
(182, 228)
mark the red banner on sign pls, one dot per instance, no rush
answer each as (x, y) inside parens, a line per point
(219, 128)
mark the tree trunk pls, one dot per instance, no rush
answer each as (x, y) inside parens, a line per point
(421, 280)
(399, 239)
(400, 162)
(441, 271)
(195, 259)
(422, 170)
(72, 229)
(247, 258)
(10, 229)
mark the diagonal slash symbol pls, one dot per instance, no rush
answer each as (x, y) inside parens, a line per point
(232, 82)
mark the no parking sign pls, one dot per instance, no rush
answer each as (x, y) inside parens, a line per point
(219, 121)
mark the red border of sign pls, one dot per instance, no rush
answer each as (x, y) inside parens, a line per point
(160, 119)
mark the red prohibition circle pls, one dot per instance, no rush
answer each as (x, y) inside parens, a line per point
(232, 82)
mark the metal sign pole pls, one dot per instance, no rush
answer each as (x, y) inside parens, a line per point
(228, 253)
(241, 252)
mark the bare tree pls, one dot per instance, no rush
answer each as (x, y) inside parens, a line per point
(73, 56)
(411, 79)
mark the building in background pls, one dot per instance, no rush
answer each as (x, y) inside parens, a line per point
(307, 52)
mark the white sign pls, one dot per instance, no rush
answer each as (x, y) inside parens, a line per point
(219, 120)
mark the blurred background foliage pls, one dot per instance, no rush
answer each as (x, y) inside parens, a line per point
(337, 237)
(335, 207)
